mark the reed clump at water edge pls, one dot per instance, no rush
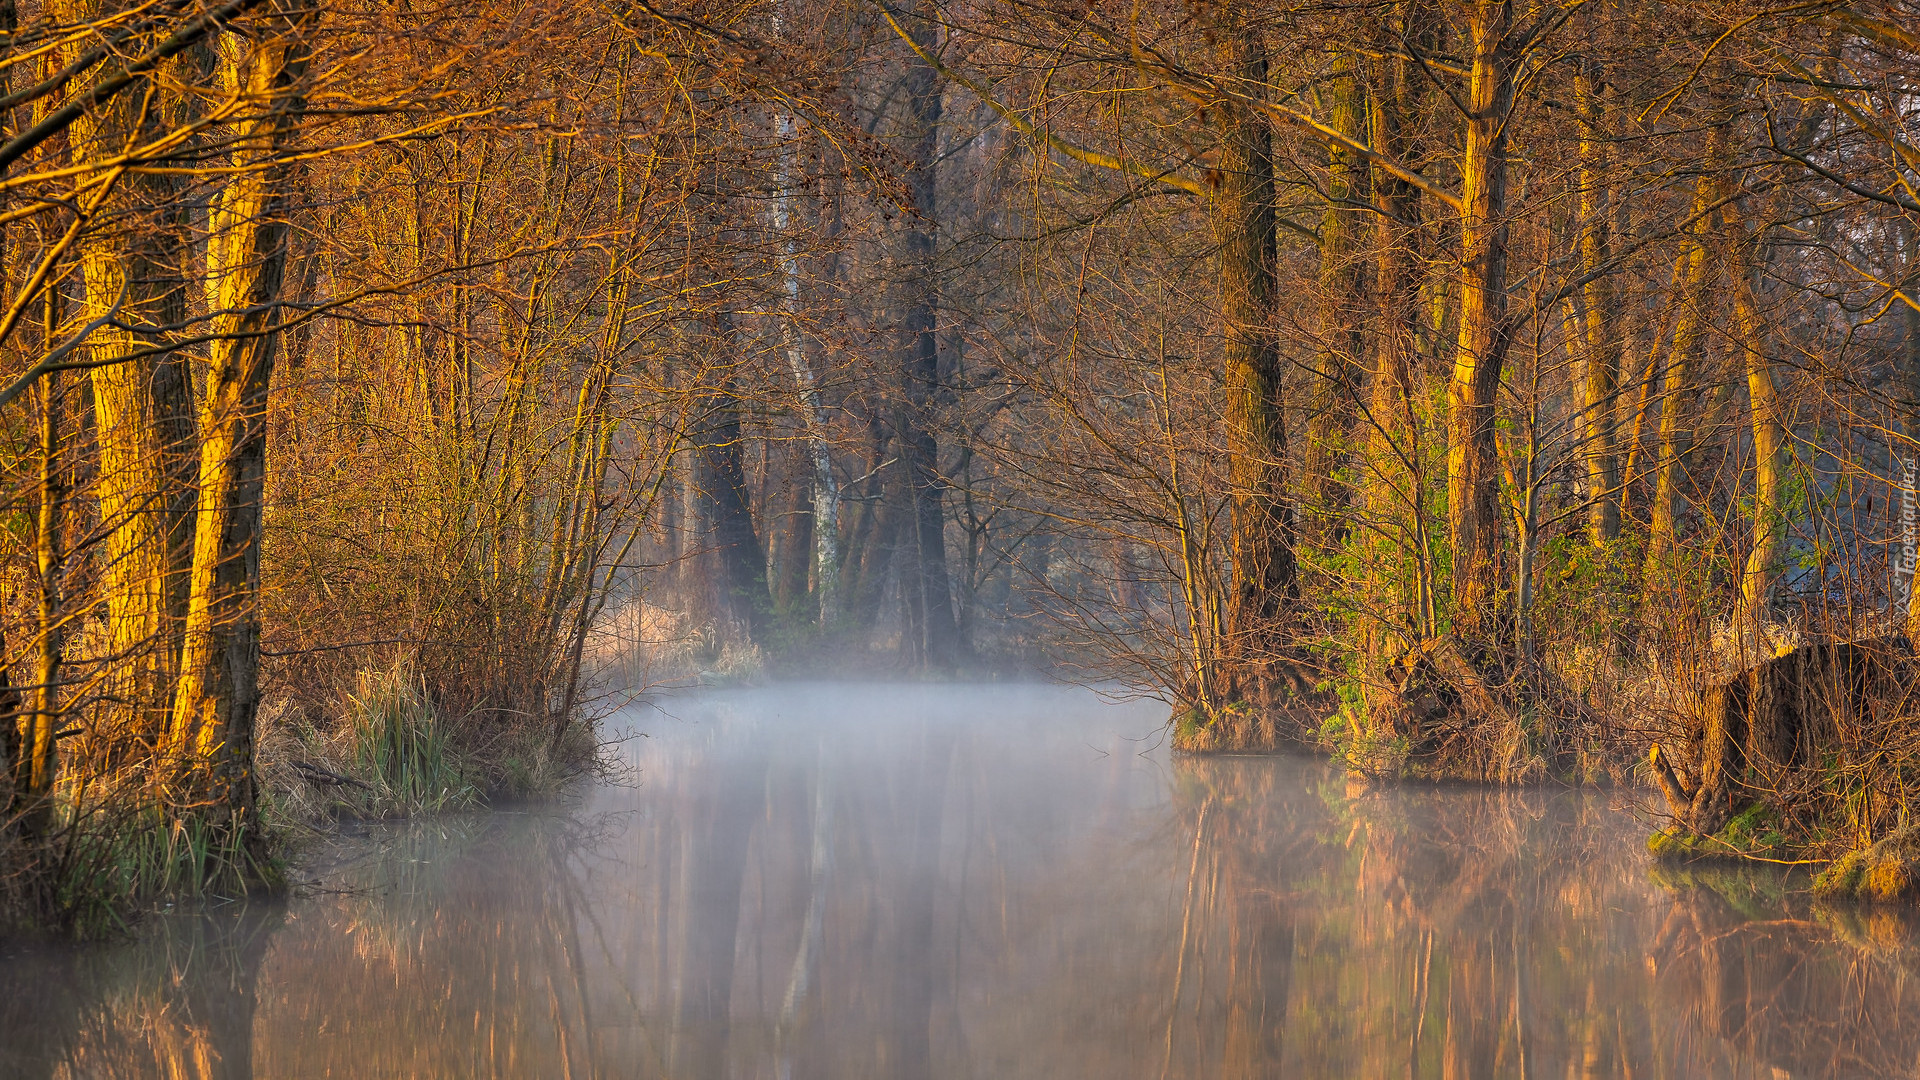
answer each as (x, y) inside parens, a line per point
(105, 848)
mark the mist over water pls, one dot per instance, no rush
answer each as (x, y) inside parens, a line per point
(984, 881)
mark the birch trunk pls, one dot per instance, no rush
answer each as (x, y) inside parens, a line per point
(826, 489)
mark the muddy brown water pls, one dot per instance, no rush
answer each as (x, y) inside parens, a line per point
(985, 881)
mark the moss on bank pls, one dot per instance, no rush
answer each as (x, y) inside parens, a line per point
(1887, 871)
(1754, 833)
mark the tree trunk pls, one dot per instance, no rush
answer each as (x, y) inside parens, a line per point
(721, 478)
(872, 534)
(1602, 381)
(825, 489)
(1473, 468)
(794, 563)
(210, 738)
(1342, 344)
(143, 412)
(936, 638)
(1396, 453)
(1676, 426)
(1265, 579)
(1767, 556)
(39, 756)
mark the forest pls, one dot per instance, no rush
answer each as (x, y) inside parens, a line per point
(1512, 391)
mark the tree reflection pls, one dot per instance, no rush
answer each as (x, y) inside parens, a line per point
(954, 892)
(181, 1005)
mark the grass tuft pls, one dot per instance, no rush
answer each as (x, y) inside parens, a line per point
(400, 742)
(109, 868)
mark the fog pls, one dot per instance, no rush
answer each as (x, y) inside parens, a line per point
(982, 881)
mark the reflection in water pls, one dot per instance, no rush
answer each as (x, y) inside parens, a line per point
(993, 882)
(181, 1004)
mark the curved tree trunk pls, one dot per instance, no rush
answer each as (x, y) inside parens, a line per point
(210, 738)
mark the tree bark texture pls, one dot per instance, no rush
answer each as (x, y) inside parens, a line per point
(1767, 557)
(142, 406)
(728, 509)
(1342, 345)
(1674, 438)
(210, 737)
(1473, 467)
(1265, 578)
(1399, 489)
(1602, 329)
(935, 638)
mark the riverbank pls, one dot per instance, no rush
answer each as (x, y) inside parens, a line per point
(1765, 749)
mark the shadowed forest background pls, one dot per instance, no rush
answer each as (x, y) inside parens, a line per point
(1486, 389)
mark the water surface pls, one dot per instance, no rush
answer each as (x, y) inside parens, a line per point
(899, 881)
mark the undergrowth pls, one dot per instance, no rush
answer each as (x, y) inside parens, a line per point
(399, 744)
(103, 860)
(392, 752)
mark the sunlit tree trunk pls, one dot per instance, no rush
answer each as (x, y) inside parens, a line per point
(142, 405)
(1603, 330)
(40, 757)
(1676, 424)
(1395, 452)
(210, 738)
(1473, 469)
(1767, 556)
(1342, 342)
(1264, 573)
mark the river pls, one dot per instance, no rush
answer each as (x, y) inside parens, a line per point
(850, 881)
